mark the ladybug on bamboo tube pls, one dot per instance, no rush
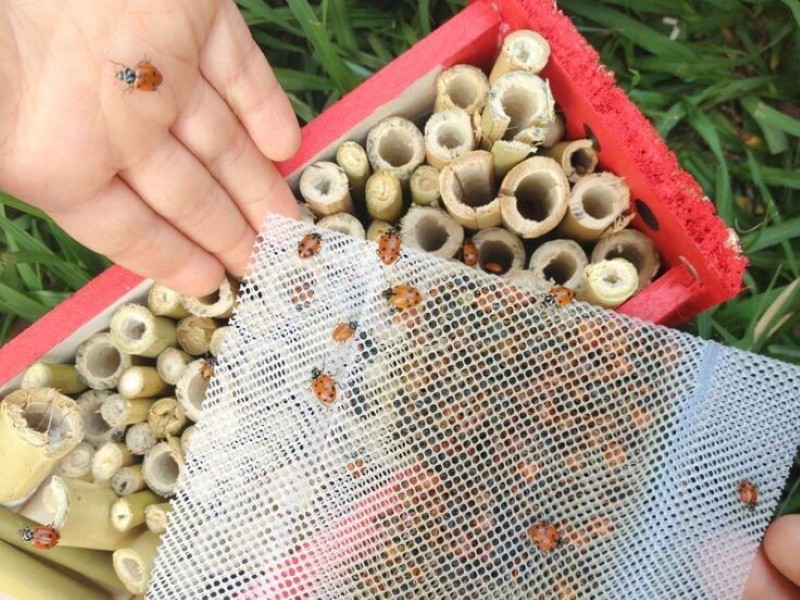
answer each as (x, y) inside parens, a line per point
(144, 78)
(42, 537)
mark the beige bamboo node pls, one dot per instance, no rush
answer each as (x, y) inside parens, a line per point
(461, 86)
(218, 304)
(384, 196)
(377, 228)
(395, 144)
(609, 283)
(165, 302)
(558, 262)
(467, 186)
(576, 157)
(326, 189)
(500, 247)
(344, 223)
(134, 562)
(171, 363)
(140, 438)
(424, 186)
(217, 340)
(431, 230)
(533, 197)
(633, 246)
(95, 429)
(448, 135)
(522, 50)
(64, 378)
(162, 465)
(352, 157)
(520, 107)
(166, 417)
(141, 382)
(100, 362)
(191, 389)
(595, 202)
(138, 331)
(194, 334)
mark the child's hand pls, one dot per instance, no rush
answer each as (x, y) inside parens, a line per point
(172, 183)
(775, 574)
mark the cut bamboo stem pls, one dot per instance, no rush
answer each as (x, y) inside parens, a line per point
(558, 262)
(343, 223)
(497, 246)
(191, 389)
(577, 158)
(165, 302)
(172, 362)
(194, 334)
(596, 201)
(100, 362)
(218, 304)
(162, 465)
(78, 463)
(138, 331)
(461, 86)
(352, 158)
(520, 108)
(95, 430)
(431, 230)
(118, 411)
(395, 144)
(138, 382)
(377, 228)
(110, 458)
(37, 428)
(384, 196)
(64, 378)
(609, 283)
(217, 340)
(128, 480)
(166, 417)
(508, 154)
(424, 186)
(156, 516)
(633, 246)
(533, 197)
(186, 438)
(128, 512)
(448, 135)
(522, 50)
(468, 190)
(140, 438)
(326, 189)
(134, 562)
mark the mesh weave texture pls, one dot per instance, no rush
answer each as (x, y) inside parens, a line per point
(481, 445)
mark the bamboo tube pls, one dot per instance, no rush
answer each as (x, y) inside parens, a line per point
(431, 230)
(138, 331)
(165, 302)
(186, 438)
(344, 223)
(461, 86)
(37, 428)
(468, 190)
(352, 158)
(558, 262)
(576, 157)
(633, 246)
(523, 50)
(306, 214)
(609, 283)
(110, 458)
(555, 132)
(384, 196)
(166, 417)
(499, 247)
(448, 135)
(377, 228)
(218, 304)
(395, 144)
(424, 186)
(533, 197)
(78, 463)
(128, 512)
(139, 382)
(118, 411)
(172, 362)
(194, 334)
(594, 204)
(95, 430)
(64, 378)
(191, 389)
(508, 154)
(520, 108)
(100, 362)
(218, 338)
(156, 516)
(326, 189)
(128, 480)
(162, 465)
(140, 438)
(134, 562)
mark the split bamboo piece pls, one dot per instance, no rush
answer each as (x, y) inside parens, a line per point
(165, 302)
(166, 417)
(194, 334)
(139, 382)
(633, 246)
(218, 304)
(520, 107)
(467, 186)
(384, 196)
(118, 411)
(134, 562)
(172, 362)
(138, 331)
(431, 230)
(128, 512)
(326, 189)
(523, 50)
(596, 201)
(555, 132)
(343, 223)
(100, 362)
(110, 458)
(395, 144)
(609, 283)
(500, 247)
(448, 135)
(533, 197)
(186, 438)
(128, 480)
(352, 158)
(508, 154)
(64, 378)
(461, 86)
(217, 339)
(140, 438)
(558, 262)
(156, 516)
(377, 228)
(37, 428)
(576, 157)
(78, 463)
(162, 465)
(191, 389)
(95, 430)
(424, 186)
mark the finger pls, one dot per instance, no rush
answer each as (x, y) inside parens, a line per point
(765, 581)
(235, 66)
(782, 547)
(209, 129)
(178, 187)
(136, 237)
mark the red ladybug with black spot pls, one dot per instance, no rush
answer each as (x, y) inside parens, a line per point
(544, 535)
(324, 387)
(144, 78)
(344, 331)
(559, 296)
(310, 245)
(748, 494)
(403, 296)
(389, 247)
(469, 253)
(41, 537)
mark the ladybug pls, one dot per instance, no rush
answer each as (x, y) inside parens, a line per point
(310, 245)
(344, 331)
(559, 296)
(403, 296)
(42, 537)
(544, 535)
(324, 387)
(748, 493)
(207, 370)
(145, 77)
(495, 268)
(389, 247)
(469, 253)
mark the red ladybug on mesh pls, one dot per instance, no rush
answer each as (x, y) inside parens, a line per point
(324, 386)
(748, 493)
(403, 296)
(389, 247)
(544, 535)
(310, 245)
(559, 296)
(344, 331)
(469, 253)
(42, 537)
(145, 77)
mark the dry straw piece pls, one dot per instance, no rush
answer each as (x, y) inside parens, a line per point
(448, 135)
(558, 262)
(468, 190)
(533, 197)
(461, 86)
(344, 223)
(497, 246)
(194, 334)
(118, 411)
(395, 144)
(95, 429)
(100, 362)
(128, 480)
(520, 108)
(166, 417)
(139, 382)
(384, 196)
(576, 157)
(140, 438)
(110, 458)
(431, 230)
(134, 562)
(522, 50)
(128, 512)
(162, 465)
(596, 201)
(64, 378)
(352, 158)
(633, 246)
(138, 331)
(165, 302)
(424, 186)
(156, 516)
(609, 283)
(326, 189)
(219, 304)
(171, 363)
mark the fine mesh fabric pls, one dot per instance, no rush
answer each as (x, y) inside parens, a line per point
(459, 425)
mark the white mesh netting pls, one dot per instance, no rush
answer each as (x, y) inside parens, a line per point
(467, 435)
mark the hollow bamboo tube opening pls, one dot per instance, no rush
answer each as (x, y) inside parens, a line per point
(352, 157)
(165, 302)
(448, 135)
(344, 223)
(424, 185)
(395, 144)
(95, 429)
(172, 362)
(78, 463)
(558, 262)
(468, 190)
(191, 389)
(128, 480)
(134, 563)
(138, 331)
(522, 50)
(595, 202)
(609, 283)
(461, 86)
(217, 304)
(499, 250)
(533, 197)
(576, 157)
(326, 189)
(194, 334)
(64, 378)
(633, 246)
(161, 467)
(520, 108)
(431, 230)
(100, 361)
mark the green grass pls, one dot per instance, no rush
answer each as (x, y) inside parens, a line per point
(723, 94)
